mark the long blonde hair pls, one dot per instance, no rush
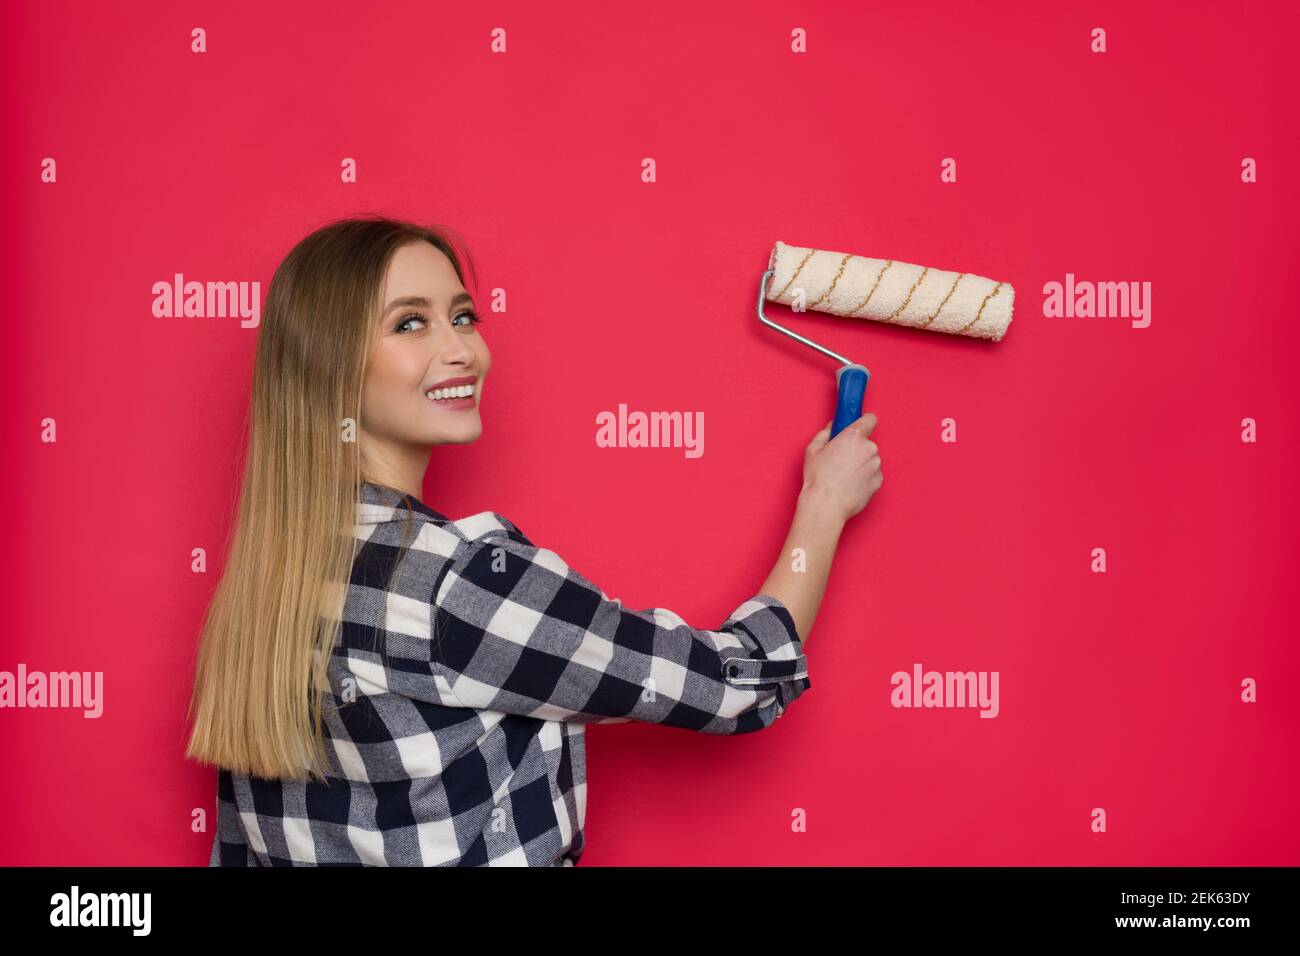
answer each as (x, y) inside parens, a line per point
(261, 668)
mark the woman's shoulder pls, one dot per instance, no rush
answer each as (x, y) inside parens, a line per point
(380, 505)
(488, 524)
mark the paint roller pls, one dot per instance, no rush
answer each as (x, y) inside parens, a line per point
(883, 290)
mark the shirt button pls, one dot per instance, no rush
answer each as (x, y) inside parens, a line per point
(733, 670)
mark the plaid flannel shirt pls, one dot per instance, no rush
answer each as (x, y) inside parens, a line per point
(465, 673)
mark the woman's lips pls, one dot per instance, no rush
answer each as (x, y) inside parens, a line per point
(452, 404)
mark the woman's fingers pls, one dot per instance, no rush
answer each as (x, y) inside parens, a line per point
(820, 439)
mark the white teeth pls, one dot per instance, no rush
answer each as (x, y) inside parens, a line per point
(455, 391)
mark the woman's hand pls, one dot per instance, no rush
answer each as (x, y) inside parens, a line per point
(843, 474)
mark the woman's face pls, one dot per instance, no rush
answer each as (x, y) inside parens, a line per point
(425, 336)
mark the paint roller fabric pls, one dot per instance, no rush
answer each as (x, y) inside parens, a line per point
(886, 290)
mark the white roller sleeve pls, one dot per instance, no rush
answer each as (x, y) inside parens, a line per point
(886, 290)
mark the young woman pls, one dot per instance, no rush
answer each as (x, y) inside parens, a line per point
(380, 684)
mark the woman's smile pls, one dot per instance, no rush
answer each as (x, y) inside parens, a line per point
(454, 393)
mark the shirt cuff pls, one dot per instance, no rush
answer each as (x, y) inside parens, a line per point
(779, 659)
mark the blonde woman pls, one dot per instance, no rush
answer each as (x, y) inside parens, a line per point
(379, 684)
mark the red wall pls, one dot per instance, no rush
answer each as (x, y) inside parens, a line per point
(1119, 690)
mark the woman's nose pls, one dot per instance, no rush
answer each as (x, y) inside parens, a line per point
(450, 345)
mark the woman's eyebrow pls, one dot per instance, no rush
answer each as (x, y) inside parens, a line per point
(420, 302)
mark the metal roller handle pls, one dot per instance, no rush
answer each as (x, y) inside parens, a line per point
(850, 379)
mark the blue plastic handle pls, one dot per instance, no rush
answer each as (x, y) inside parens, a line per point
(851, 381)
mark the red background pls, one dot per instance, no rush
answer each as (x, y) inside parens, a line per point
(1118, 690)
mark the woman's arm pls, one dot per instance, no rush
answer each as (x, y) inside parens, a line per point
(512, 628)
(839, 478)
(816, 529)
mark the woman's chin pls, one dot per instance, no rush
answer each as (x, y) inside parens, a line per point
(460, 434)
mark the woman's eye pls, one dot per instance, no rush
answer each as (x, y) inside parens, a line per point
(408, 318)
(468, 313)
